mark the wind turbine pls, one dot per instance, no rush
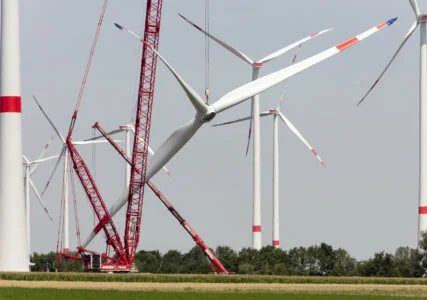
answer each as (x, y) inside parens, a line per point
(420, 20)
(65, 173)
(30, 168)
(206, 113)
(255, 113)
(276, 113)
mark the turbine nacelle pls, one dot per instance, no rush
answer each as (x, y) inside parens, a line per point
(422, 19)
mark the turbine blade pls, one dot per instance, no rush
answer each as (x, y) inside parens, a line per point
(171, 146)
(149, 149)
(292, 46)
(54, 169)
(90, 142)
(26, 161)
(408, 35)
(39, 198)
(251, 121)
(415, 7)
(34, 168)
(101, 136)
(255, 87)
(263, 114)
(42, 160)
(49, 120)
(299, 135)
(239, 54)
(196, 100)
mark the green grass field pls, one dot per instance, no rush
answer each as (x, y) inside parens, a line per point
(48, 294)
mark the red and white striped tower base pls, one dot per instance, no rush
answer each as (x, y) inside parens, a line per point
(14, 254)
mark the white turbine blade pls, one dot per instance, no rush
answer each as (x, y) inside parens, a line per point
(255, 87)
(299, 135)
(90, 142)
(239, 54)
(150, 150)
(39, 198)
(263, 114)
(292, 46)
(42, 160)
(196, 100)
(415, 7)
(408, 35)
(34, 168)
(251, 121)
(49, 120)
(171, 146)
(108, 133)
(54, 169)
(26, 161)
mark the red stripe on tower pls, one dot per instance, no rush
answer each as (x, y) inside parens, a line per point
(347, 44)
(423, 210)
(256, 228)
(10, 104)
(276, 243)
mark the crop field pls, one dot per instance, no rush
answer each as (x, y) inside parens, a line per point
(47, 294)
(154, 286)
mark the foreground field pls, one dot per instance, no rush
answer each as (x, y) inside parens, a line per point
(47, 294)
(215, 288)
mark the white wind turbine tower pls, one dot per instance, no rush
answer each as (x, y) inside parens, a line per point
(205, 112)
(256, 66)
(65, 173)
(420, 20)
(276, 113)
(30, 168)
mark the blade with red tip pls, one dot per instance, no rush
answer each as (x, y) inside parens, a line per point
(34, 168)
(408, 35)
(39, 198)
(292, 46)
(299, 135)
(246, 91)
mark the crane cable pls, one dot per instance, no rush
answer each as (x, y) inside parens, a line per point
(207, 91)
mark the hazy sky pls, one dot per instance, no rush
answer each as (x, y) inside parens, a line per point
(365, 201)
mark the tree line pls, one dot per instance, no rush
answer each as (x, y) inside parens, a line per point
(317, 260)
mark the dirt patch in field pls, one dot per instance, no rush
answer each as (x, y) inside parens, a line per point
(352, 289)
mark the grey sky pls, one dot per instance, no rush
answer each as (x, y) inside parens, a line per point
(367, 199)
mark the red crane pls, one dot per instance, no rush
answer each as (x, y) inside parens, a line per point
(125, 253)
(142, 127)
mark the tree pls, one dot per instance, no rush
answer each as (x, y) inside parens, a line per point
(195, 262)
(382, 265)
(228, 257)
(148, 261)
(298, 261)
(171, 262)
(344, 264)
